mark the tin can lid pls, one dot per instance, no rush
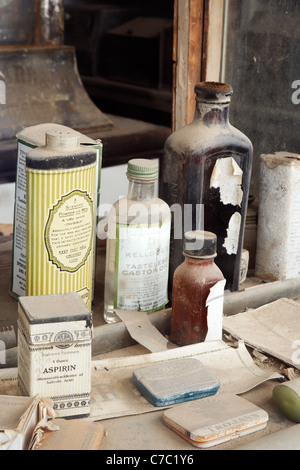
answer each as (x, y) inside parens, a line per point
(200, 244)
(170, 382)
(54, 308)
(62, 151)
(36, 135)
(142, 169)
(62, 140)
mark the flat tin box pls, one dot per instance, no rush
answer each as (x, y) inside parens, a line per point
(214, 420)
(54, 351)
(170, 382)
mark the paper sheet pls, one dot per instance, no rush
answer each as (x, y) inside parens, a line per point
(273, 328)
(19, 417)
(142, 331)
(113, 393)
(9, 382)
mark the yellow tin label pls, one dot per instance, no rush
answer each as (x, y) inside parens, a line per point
(60, 231)
(69, 230)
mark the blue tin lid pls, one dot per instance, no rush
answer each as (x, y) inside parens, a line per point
(179, 380)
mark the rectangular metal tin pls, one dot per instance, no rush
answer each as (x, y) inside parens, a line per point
(175, 381)
(214, 420)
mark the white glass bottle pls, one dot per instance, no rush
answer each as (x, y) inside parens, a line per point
(137, 246)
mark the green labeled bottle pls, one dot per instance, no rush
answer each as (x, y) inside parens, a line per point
(137, 246)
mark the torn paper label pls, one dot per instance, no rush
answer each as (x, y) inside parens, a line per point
(2, 352)
(231, 242)
(19, 417)
(214, 303)
(227, 176)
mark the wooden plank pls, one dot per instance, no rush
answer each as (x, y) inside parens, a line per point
(195, 53)
(174, 60)
(188, 32)
(213, 40)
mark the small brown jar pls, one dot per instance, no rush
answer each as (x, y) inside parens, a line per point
(198, 292)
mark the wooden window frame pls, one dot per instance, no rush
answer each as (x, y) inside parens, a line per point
(197, 52)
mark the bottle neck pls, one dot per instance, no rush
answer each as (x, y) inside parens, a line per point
(212, 112)
(204, 261)
(138, 191)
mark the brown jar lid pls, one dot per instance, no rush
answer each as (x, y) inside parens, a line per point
(200, 244)
(213, 91)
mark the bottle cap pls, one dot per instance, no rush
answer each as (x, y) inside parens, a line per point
(215, 92)
(62, 140)
(200, 244)
(142, 169)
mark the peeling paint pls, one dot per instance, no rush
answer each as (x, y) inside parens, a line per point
(227, 176)
(2, 92)
(231, 243)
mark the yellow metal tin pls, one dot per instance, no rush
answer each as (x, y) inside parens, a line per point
(28, 139)
(60, 210)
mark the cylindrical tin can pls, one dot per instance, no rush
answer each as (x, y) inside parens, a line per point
(61, 182)
(278, 241)
(28, 139)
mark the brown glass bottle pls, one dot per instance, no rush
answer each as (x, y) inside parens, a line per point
(208, 164)
(197, 310)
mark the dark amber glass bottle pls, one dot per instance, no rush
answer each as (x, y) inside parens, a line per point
(207, 164)
(198, 292)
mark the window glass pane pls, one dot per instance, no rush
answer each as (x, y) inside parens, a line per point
(261, 61)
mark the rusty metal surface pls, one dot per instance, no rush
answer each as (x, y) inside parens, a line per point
(43, 85)
(29, 22)
(50, 28)
(17, 22)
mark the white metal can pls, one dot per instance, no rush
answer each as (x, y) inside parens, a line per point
(278, 242)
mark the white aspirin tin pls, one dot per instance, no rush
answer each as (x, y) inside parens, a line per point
(54, 351)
